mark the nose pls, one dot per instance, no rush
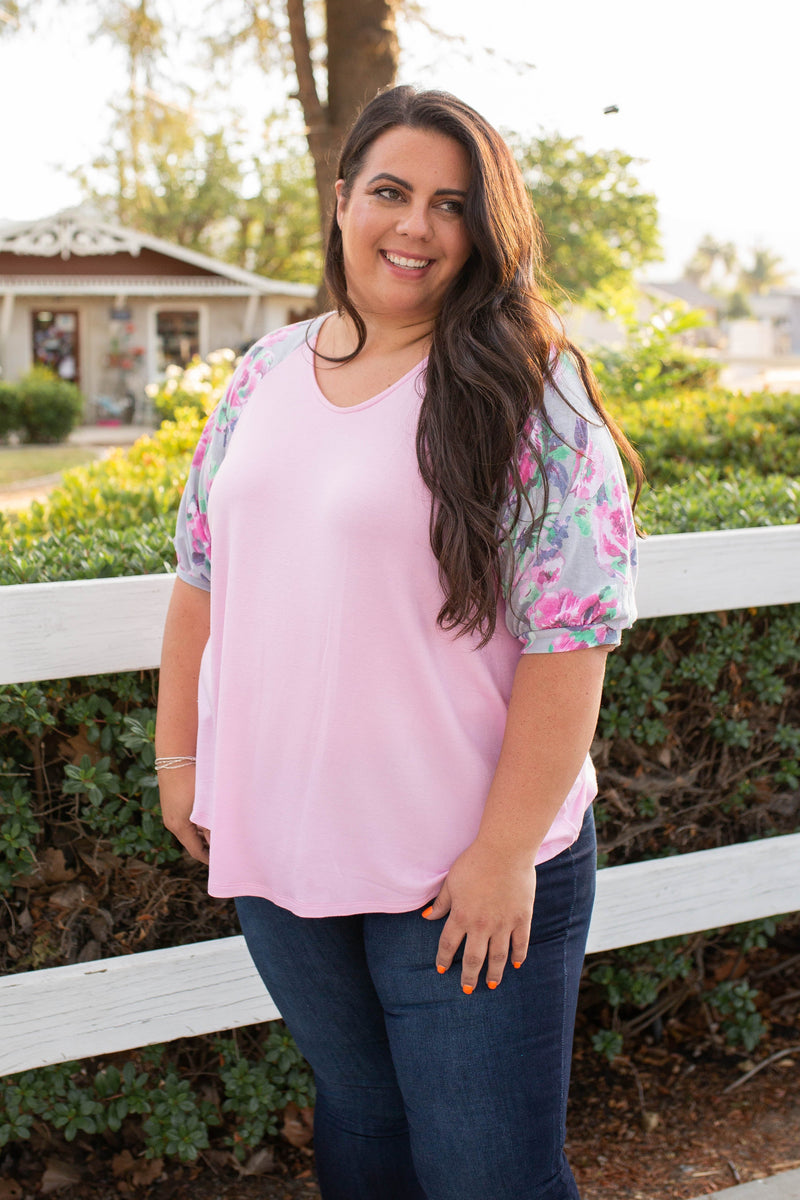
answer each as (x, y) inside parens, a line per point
(415, 221)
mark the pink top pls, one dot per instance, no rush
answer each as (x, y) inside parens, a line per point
(346, 744)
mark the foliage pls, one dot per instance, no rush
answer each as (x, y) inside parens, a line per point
(197, 386)
(719, 434)
(256, 208)
(639, 987)
(718, 267)
(158, 1108)
(599, 223)
(40, 407)
(653, 364)
(9, 409)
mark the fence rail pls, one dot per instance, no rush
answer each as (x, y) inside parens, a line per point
(96, 626)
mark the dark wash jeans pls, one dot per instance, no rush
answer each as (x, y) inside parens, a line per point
(425, 1093)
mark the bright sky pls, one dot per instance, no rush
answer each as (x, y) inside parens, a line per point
(706, 91)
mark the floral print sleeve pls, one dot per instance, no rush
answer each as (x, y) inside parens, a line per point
(573, 585)
(193, 537)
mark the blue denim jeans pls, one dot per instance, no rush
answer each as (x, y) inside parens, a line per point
(425, 1093)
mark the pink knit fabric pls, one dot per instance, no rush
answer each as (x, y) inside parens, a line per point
(346, 743)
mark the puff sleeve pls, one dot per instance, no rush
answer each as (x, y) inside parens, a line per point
(192, 534)
(572, 583)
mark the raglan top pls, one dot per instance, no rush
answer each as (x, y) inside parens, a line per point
(346, 743)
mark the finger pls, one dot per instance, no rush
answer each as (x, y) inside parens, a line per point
(191, 838)
(496, 961)
(475, 952)
(441, 905)
(520, 938)
(451, 938)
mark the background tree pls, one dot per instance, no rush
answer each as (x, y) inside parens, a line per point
(204, 191)
(10, 15)
(599, 223)
(337, 66)
(766, 273)
(713, 262)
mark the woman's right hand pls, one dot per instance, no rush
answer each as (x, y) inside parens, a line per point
(176, 789)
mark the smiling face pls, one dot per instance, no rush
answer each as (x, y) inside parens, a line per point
(404, 237)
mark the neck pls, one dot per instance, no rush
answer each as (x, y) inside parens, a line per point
(385, 335)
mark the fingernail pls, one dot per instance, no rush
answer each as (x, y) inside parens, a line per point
(440, 968)
(518, 965)
(492, 983)
(467, 989)
(427, 911)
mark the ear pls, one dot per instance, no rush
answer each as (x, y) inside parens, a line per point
(340, 200)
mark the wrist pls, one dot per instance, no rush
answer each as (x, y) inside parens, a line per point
(174, 762)
(506, 849)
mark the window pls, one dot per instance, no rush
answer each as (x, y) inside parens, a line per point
(177, 337)
(55, 343)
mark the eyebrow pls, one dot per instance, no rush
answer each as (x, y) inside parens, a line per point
(409, 187)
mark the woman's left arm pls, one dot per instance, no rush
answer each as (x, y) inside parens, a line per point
(489, 890)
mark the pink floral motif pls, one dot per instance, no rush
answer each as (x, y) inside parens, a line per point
(567, 610)
(612, 534)
(588, 478)
(205, 438)
(199, 532)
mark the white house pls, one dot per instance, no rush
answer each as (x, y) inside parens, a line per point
(111, 308)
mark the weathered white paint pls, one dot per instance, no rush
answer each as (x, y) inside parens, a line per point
(85, 627)
(664, 897)
(118, 1003)
(94, 626)
(728, 568)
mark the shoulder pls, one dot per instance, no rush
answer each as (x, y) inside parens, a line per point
(262, 357)
(567, 415)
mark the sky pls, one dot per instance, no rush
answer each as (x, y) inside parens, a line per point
(706, 91)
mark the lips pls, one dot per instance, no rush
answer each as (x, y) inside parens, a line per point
(406, 264)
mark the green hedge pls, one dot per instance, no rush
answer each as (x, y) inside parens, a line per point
(698, 745)
(40, 407)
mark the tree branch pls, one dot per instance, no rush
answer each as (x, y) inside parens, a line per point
(315, 115)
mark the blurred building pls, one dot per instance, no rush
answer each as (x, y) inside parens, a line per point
(110, 308)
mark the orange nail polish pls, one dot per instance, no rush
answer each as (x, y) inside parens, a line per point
(467, 989)
(440, 968)
(518, 965)
(427, 911)
(492, 983)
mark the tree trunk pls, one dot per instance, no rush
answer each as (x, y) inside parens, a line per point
(362, 58)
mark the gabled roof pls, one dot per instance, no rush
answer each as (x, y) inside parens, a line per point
(690, 292)
(83, 232)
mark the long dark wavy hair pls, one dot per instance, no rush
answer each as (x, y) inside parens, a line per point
(495, 344)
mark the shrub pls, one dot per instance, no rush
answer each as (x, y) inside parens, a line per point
(718, 433)
(47, 408)
(197, 386)
(653, 364)
(9, 409)
(161, 1112)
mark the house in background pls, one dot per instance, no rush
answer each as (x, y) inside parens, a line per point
(757, 353)
(111, 308)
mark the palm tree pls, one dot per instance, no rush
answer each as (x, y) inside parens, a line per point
(711, 254)
(765, 275)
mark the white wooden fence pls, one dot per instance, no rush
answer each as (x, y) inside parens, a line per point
(50, 631)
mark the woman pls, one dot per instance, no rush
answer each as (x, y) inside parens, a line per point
(413, 522)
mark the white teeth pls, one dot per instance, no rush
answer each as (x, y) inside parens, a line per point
(397, 261)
